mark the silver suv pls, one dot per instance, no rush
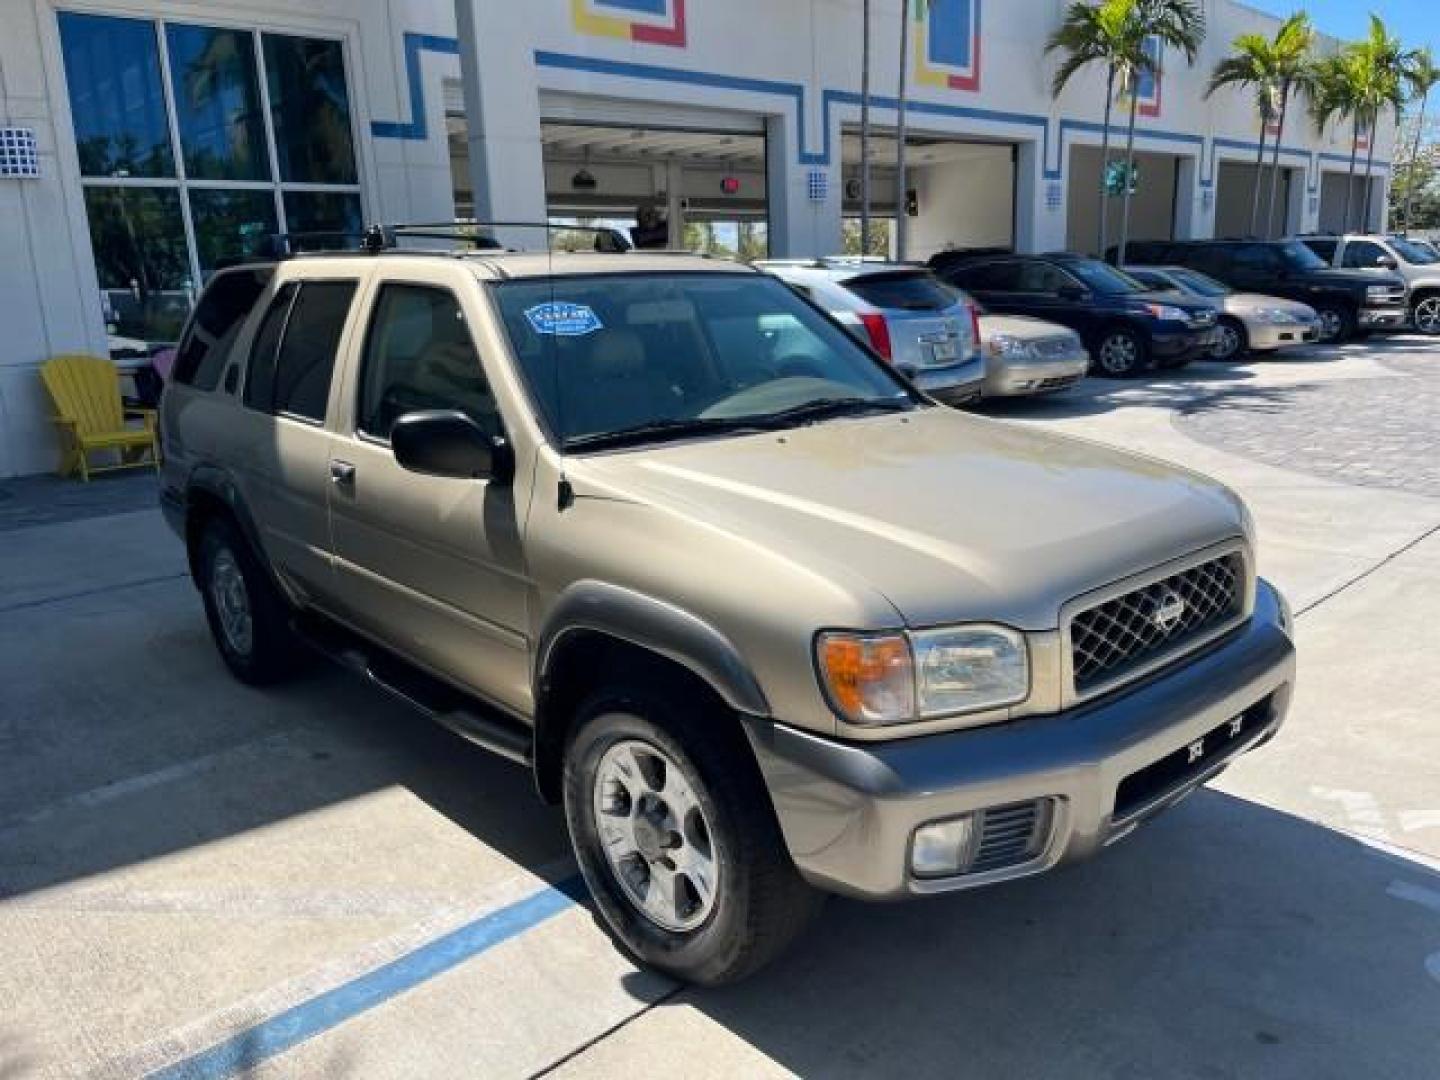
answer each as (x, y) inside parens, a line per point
(927, 328)
(767, 621)
(1416, 263)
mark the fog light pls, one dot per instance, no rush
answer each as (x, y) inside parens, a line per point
(944, 848)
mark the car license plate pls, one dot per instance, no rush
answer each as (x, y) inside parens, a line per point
(944, 352)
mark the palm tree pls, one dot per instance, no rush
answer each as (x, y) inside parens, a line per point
(1293, 67)
(1422, 76)
(1179, 24)
(1335, 97)
(1095, 33)
(1382, 65)
(1251, 65)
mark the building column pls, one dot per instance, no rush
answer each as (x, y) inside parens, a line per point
(1039, 202)
(1303, 212)
(804, 219)
(502, 108)
(1379, 202)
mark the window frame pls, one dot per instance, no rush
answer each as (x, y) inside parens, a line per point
(181, 182)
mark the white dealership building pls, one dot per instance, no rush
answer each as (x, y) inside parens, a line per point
(145, 142)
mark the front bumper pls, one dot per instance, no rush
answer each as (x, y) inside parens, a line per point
(1382, 318)
(1171, 348)
(1267, 337)
(849, 812)
(1012, 378)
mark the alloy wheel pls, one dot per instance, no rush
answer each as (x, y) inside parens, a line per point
(1331, 324)
(232, 602)
(657, 840)
(1119, 354)
(1229, 345)
(1427, 315)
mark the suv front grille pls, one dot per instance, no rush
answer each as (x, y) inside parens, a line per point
(1113, 637)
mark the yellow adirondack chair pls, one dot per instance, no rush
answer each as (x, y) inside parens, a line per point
(92, 417)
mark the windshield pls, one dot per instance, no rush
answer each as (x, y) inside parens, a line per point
(1200, 284)
(622, 359)
(1299, 257)
(1103, 278)
(1414, 253)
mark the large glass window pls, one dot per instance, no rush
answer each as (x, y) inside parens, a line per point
(196, 144)
(116, 96)
(311, 110)
(217, 103)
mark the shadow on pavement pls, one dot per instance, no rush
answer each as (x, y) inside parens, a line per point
(1224, 940)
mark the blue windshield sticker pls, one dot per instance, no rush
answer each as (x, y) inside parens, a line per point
(563, 319)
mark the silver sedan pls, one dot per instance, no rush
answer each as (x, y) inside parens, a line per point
(1249, 322)
(1029, 356)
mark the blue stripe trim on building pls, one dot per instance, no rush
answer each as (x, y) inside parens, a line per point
(417, 127)
(286, 1030)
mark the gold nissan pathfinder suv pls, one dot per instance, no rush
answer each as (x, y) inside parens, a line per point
(765, 618)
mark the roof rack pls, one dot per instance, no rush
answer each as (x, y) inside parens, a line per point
(479, 234)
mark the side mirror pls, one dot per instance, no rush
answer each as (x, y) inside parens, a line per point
(446, 442)
(1073, 293)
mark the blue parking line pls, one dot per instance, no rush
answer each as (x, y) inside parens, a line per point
(248, 1048)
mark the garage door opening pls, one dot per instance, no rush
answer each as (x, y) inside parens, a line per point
(1236, 183)
(1152, 206)
(1332, 202)
(661, 185)
(961, 193)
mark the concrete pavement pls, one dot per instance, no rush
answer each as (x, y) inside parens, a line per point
(188, 864)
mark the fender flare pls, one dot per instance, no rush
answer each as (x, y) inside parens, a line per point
(217, 483)
(655, 625)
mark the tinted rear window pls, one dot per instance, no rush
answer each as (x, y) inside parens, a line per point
(218, 318)
(904, 292)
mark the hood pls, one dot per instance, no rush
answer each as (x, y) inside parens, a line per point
(950, 517)
(1245, 303)
(1178, 300)
(1355, 278)
(1022, 326)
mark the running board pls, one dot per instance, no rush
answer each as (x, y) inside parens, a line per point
(461, 713)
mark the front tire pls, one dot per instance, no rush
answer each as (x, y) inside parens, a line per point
(1425, 315)
(1121, 353)
(1336, 324)
(248, 617)
(677, 839)
(1234, 341)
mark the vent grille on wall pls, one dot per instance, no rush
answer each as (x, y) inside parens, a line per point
(19, 155)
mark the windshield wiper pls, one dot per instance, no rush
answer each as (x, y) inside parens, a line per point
(663, 430)
(825, 408)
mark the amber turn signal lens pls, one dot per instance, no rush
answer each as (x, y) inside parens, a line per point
(870, 678)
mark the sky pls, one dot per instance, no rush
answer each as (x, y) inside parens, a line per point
(1412, 20)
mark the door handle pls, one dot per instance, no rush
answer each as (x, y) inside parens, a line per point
(342, 473)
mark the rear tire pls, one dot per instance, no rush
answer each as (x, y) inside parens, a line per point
(1121, 353)
(1234, 341)
(688, 826)
(249, 619)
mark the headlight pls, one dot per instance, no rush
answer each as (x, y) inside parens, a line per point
(1167, 313)
(880, 679)
(969, 668)
(1010, 347)
(1275, 316)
